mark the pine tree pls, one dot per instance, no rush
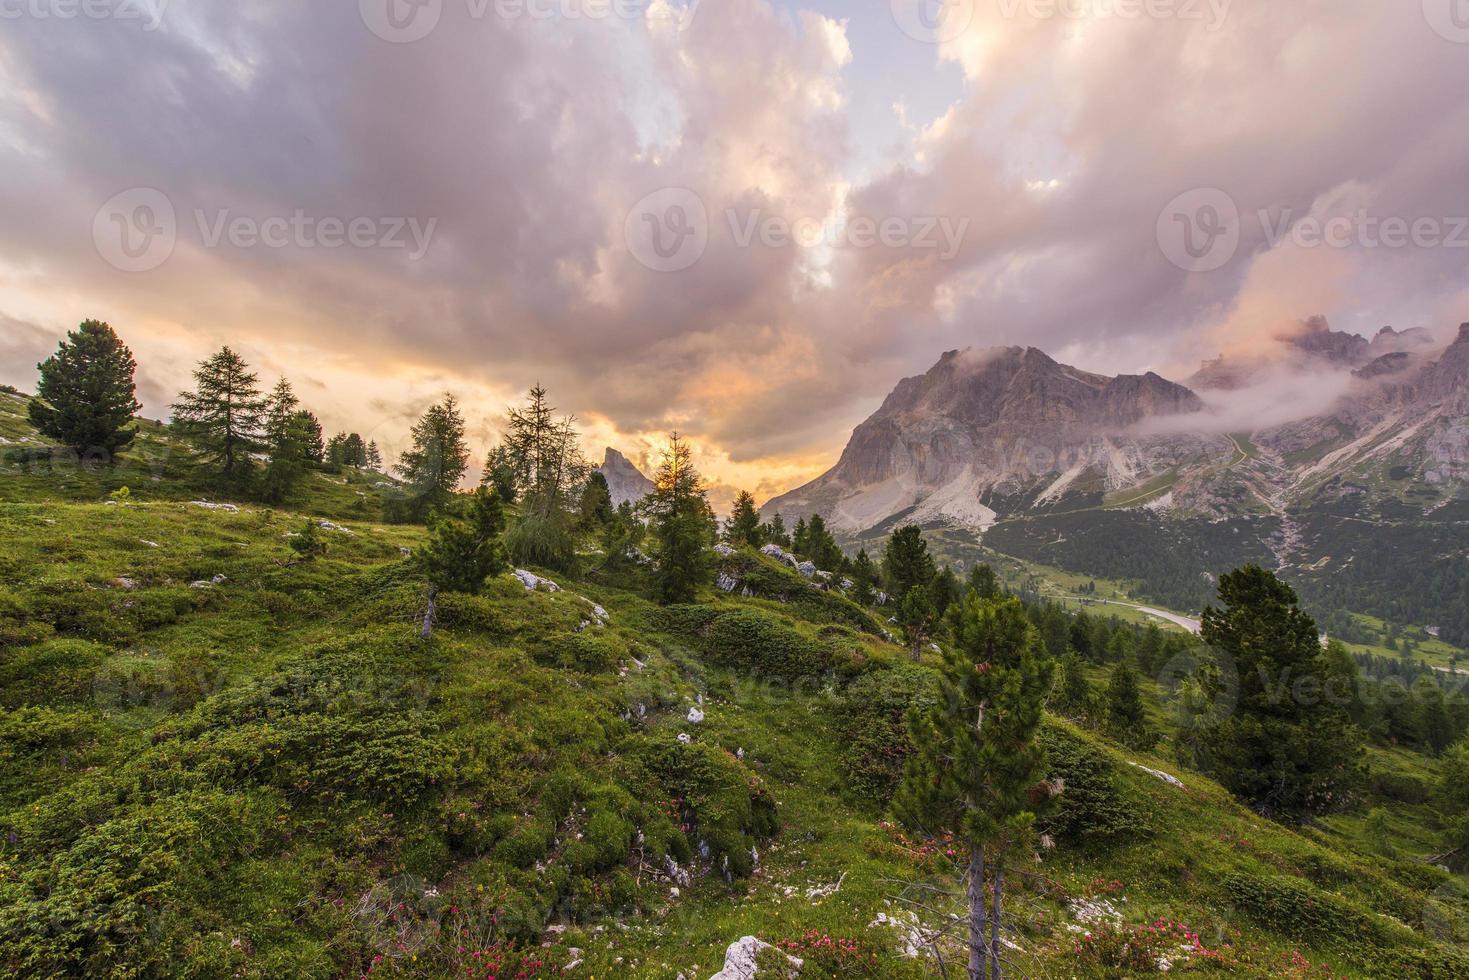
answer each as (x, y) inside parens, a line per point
(354, 451)
(315, 447)
(595, 509)
(821, 547)
(433, 467)
(916, 615)
(1285, 755)
(621, 537)
(308, 542)
(798, 537)
(286, 438)
(984, 582)
(775, 532)
(336, 450)
(223, 414)
(907, 562)
(86, 397)
(1126, 719)
(463, 550)
(977, 770)
(682, 524)
(545, 454)
(864, 577)
(374, 457)
(743, 527)
(499, 473)
(946, 590)
(1075, 695)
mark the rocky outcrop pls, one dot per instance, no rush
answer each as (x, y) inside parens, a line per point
(625, 481)
(742, 961)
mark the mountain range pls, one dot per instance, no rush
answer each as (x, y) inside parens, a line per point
(1327, 452)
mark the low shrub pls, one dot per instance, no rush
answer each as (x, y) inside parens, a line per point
(1093, 806)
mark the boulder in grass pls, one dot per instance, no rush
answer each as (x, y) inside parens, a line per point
(742, 961)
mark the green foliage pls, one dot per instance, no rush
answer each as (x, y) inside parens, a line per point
(906, 562)
(1126, 720)
(464, 549)
(1092, 806)
(743, 527)
(1287, 747)
(872, 716)
(85, 397)
(764, 645)
(682, 526)
(595, 510)
(222, 416)
(544, 539)
(308, 542)
(433, 466)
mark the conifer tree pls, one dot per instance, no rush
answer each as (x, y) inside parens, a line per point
(983, 581)
(315, 447)
(916, 615)
(798, 537)
(287, 441)
(1126, 719)
(907, 562)
(86, 397)
(595, 509)
(463, 550)
(308, 542)
(545, 454)
(1287, 756)
(374, 457)
(499, 473)
(222, 416)
(1075, 695)
(864, 577)
(433, 467)
(775, 532)
(977, 770)
(743, 526)
(682, 525)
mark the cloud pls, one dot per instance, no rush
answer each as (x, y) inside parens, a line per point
(527, 141)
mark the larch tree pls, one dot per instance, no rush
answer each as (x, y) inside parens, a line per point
(86, 397)
(222, 416)
(978, 768)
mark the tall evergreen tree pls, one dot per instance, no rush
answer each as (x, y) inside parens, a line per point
(315, 447)
(463, 550)
(907, 562)
(1126, 719)
(864, 577)
(86, 397)
(286, 439)
(1075, 695)
(499, 473)
(743, 527)
(222, 416)
(978, 768)
(545, 454)
(1285, 755)
(374, 457)
(682, 525)
(774, 532)
(595, 509)
(916, 615)
(821, 547)
(983, 581)
(433, 467)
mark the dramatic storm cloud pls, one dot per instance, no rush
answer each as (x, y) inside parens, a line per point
(738, 218)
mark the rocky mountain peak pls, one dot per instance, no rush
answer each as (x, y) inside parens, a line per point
(625, 481)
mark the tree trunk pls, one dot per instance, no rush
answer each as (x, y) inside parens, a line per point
(995, 972)
(977, 950)
(428, 614)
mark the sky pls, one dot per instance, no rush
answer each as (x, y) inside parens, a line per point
(741, 219)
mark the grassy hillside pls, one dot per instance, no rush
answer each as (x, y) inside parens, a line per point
(222, 761)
